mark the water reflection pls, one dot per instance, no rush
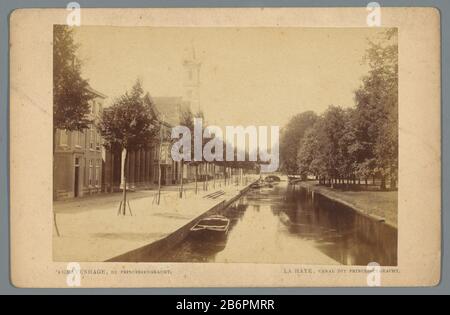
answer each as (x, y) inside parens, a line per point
(280, 225)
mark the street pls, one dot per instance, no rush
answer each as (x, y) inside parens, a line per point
(91, 230)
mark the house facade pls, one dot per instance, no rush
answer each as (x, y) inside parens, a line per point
(82, 166)
(143, 165)
(78, 157)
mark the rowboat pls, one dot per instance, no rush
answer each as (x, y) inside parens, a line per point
(214, 226)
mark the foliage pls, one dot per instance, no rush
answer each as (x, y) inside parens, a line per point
(130, 123)
(377, 108)
(71, 94)
(289, 142)
(187, 120)
(355, 142)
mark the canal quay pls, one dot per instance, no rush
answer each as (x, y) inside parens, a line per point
(281, 223)
(91, 231)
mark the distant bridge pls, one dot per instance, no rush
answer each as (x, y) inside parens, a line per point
(277, 175)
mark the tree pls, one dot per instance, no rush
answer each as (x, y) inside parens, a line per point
(377, 109)
(198, 115)
(323, 148)
(186, 120)
(290, 136)
(130, 124)
(71, 93)
(347, 146)
(307, 154)
(333, 125)
(356, 142)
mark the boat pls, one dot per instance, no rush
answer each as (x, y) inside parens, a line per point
(262, 185)
(211, 227)
(272, 179)
(256, 186)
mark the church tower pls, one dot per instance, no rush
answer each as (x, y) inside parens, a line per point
(191, 82)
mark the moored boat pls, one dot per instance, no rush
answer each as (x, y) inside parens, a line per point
(211, 227)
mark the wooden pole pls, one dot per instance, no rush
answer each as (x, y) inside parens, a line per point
(196, 181)
(214, 175)
(181, 180)
(125, 175)
(161, 138)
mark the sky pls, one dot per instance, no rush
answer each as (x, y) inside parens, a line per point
(248, 76)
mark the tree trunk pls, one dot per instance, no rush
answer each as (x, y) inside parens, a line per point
(111, 188)
(214, 176)
(383, 183)
(207, 177)
(125, 175)
(196, 182)
(393, 183)
(158, 199)
(202, 177)
(55, 223)
(181, 180)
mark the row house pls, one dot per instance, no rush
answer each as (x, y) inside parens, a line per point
(83, 167)
(143, 165)
(78, 157)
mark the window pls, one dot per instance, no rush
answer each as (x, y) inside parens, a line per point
(77, 136)
(91, 138)
(63, 137)
(85, 172)
(94, 107)
(81, 137)
(97, 146)
(91, 172)
(97, 173)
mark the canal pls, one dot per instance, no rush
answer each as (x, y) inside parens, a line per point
(286, 225)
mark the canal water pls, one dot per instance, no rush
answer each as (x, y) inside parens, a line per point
(287, 225)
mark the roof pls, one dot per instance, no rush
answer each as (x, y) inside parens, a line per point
(97, 93)
(169, 108)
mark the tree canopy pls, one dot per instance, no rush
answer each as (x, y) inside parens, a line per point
(361, 141)
(290, 136)
(130, 122)
(71, 93)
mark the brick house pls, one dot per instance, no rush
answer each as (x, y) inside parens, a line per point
(78, 158)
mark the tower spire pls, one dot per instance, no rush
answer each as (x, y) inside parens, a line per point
(192, 79)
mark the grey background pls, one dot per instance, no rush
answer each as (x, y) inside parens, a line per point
(6, 6)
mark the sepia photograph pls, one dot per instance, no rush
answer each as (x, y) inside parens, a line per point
(225, 147)
(232, 145)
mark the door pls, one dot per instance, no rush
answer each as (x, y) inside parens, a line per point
(163, 175)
